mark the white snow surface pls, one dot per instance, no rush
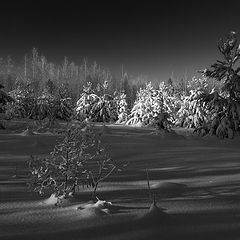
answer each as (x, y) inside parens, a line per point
(195, 181)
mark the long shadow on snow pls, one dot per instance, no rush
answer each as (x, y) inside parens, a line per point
(219, 225)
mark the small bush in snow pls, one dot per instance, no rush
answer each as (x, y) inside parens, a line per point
(78, 160)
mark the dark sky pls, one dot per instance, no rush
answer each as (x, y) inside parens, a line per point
(153, 39)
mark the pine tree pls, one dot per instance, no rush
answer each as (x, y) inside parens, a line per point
(225, 105)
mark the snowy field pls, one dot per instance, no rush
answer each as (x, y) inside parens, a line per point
(196, 182)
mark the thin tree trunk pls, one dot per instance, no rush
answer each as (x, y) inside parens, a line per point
(25, 68)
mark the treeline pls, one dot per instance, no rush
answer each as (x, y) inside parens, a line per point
(37, 71)
(44, 91)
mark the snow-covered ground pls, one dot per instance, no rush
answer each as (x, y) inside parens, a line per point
(196, 182)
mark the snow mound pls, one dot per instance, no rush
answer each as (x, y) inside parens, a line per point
(45, 131)
(155, 215)
(27, 132)
(100, 208)
(101, 204)
(168, 188)
(139, 124)
(60, 201)
(91, 212)
(52, 200)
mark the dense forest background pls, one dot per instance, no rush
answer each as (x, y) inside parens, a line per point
(37, 71)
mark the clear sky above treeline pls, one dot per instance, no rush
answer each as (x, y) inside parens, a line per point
(147, 38)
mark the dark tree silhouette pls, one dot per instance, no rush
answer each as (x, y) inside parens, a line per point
(225, 105)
